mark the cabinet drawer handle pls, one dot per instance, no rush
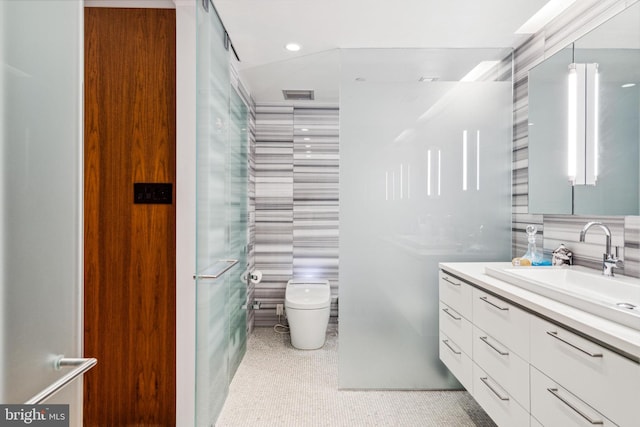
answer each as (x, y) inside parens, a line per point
(485, 380)
(446, 310)
(485, 299)
(588, 353)
(554, 391)
(446, 279)
(446, 342)
(500, 352)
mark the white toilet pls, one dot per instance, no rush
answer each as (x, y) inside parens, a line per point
(307, 304)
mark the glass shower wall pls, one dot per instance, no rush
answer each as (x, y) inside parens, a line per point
(221, 221)
(237, 170)
(212, 295)
(425, 177)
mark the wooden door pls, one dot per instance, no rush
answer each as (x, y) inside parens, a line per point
(129, 311)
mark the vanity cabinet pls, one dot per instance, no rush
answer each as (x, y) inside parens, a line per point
(527, 371)
(456, 330)
(607, 382)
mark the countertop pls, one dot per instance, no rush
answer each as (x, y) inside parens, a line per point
(619, 337)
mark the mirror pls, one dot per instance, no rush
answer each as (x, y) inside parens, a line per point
(615, 48)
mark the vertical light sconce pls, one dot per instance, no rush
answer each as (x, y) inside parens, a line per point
(439, 169)
(478, 160)
(467, 151)
(437, 173)
(582, 135)
(428, 172)
(386, 186)
(465, 165)
(401, 183)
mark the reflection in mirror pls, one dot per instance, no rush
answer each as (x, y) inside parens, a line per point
(615, 47)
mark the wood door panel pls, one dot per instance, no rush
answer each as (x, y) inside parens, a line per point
(129, 248)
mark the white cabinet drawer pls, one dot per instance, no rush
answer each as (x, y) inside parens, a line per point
(496, 402)
(503, 321)
(554, 406)
(456, 294)
(457, 361)
(503, 365)
(456, 327)
(603, 379)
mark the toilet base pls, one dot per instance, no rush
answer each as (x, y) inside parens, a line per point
(308, 328)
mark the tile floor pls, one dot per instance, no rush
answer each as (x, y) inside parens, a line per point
(277, 385)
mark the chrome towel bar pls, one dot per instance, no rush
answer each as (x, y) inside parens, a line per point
(217, 269)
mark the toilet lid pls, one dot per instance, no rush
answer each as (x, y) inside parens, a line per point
(308, 296)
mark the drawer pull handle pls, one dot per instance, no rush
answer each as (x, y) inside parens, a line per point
(485, 380)
(500, 352)
(446, 279)
(446, 310)
(446, 342)
(485, 299)
(588, 353)
(554, 391)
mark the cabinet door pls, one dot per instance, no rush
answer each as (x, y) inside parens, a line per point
(505, 322)
(554, 406)
(496, 401)
(502, 364)
(605, 380)
(456, 327)
(458, 362)
(456, 294)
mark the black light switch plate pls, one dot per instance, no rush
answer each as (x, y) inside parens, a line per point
(153, 193)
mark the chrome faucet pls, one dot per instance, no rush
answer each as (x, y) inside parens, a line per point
(609, 261)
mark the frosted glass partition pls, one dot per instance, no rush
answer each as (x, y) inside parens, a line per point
(237, 179)
(425, 177)
(212, 327)
(41, 197)
(221, 223)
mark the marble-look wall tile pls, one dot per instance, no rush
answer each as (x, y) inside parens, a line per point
(632, 246)
(565, 229)
(296, 201)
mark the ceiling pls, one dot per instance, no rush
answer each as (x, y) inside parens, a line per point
(259, 30)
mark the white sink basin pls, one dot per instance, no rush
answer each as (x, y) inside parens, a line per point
(614, 298)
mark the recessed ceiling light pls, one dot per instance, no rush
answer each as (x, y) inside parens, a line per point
(626, 85)
(307, 146)
(306, 139)
(293, 47)
(304, 130)
(427, 79)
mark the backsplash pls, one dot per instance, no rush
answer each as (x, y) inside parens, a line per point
(581, 18)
